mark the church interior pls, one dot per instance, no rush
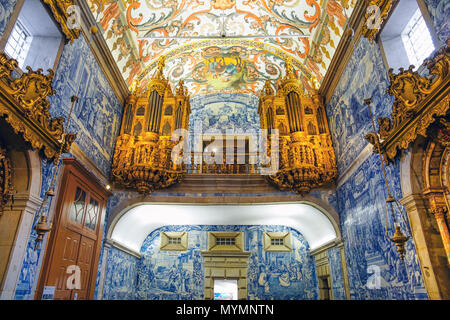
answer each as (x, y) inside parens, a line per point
(224, 150)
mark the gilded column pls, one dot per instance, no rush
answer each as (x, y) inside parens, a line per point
(440, 216)
(439, 209)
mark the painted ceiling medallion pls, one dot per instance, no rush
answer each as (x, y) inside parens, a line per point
(138, 32)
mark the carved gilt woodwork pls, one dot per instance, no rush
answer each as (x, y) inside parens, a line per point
(24, 106)
(6, 187)
(306, 155)
(143, 154)
(66, 15)
(376, 13)
(419, 100)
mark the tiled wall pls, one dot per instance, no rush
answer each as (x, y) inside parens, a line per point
(96, 120)
(361, 194)
(440, 14)
(225, 111)
(365, 77)
(337, 275)
(179, 274)
(368, 251)
(6, 10)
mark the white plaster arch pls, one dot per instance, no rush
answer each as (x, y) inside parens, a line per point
(132, 224)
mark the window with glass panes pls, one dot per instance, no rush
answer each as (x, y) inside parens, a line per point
(18, 43)
(417, 39)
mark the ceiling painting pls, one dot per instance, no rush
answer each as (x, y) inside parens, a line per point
(139, 32)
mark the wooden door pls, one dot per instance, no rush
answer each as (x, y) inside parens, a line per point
(66, 254)
(73, 250)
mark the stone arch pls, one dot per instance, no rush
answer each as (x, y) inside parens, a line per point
(415, 166)
(18, 216)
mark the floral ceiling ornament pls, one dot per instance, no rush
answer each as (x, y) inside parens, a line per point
(139, 32)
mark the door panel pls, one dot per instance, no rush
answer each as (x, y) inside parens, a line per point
(85, 259)
(76, 238)
(65, 254)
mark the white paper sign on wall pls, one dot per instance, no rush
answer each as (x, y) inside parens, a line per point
(48, 293)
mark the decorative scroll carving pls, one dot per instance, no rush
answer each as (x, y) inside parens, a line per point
(6, 186)
(376, 13)
(306, 155)
(24, 105)
(65, 12)
(143, 154)
(419, 100)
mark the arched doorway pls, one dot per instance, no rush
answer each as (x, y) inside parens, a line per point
(17, 217)
(424, 179)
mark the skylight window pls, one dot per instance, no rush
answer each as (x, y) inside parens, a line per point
(19, 43)
(417, 40)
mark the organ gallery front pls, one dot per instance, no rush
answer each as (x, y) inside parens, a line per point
(142, 157)
(306, 155)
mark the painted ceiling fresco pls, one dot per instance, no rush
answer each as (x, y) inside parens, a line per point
(229, 46)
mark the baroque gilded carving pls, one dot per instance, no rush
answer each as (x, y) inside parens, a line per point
(66, 14)
(376, 13)
(6, 186)
(24, 105)
(143, 153)
(419, 100)
(306, 156)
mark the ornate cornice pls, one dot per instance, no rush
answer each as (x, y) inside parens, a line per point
(419, 100)
(24, 106)
(64, 12)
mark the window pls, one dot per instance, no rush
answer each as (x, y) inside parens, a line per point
(277, 242)
(77, 208)
(225, 241)
(92, 214)
(405, 38)
(417, 40)
(35, 38)
(18, 43)
(174, 240)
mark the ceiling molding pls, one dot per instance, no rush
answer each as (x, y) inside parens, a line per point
(343, 52)
(102, 53)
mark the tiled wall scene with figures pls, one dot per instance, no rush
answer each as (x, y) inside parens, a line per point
(369, 252)
(364, 77)
(221, 112)
(77, 74)
(98, 113)
(180, 274)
